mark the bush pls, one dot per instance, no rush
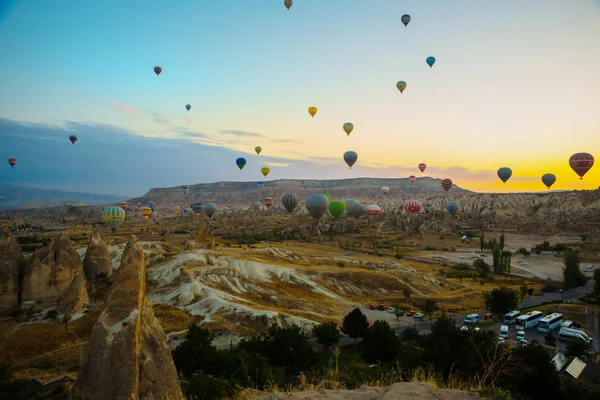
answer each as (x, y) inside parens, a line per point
(341, 264)
(205, 387)
(430, 248)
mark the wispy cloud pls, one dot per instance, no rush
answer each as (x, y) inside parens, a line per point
(284, 141)
(127, 109)
(243, 134)
(159, 118)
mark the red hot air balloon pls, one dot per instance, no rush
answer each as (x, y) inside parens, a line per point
(12, 162)
(446, 184)
(412, 179)
(581, 163)
(422, 167)
(412, 206)
(157, 70)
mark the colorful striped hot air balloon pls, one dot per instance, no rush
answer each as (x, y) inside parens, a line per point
(412, 206)
(288, 3)
(348, 128)
(581, 163)
(289, 201)
(412, 179)
(355, 209)
(385, 190)
(348, 202)
(401, 85)
(268, 202)
(123, 204)
(422, 167)
(373, 210)
(446, 184)
(176, 209)
(157, 70)
(147, 212)
(113, 216)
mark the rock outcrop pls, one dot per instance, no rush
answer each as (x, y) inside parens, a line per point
(127, 355)
(50, 272)
(97, 261)
(75, 299)
(11, 266)
(404, 390)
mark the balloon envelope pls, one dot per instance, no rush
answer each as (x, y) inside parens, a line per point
(581, 163)
(337, 208)
(328, 196)
(405, 19)
(504, 174)
(452, 207)
(348, 127)
(422, 167)
(288, 3)
(12, 162)
(146, 212)
(73, 138)
(258, 149)
(316, 204)
(157, 70)
(446, 184)
(373, 210)
(197, 207)
(549, 180)
(268, 202)
(210, 209)
(113, 216)
(385, 190)
(355, 209)
(412, 179)
(312, 111)
(265, 171)
(412, 206)
(348, 202)
(187, 107)
(289, 201)
(350, 157)
(241, 163)
(401, 85)
(430, 61)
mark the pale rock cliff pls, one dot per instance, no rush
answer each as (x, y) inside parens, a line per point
(11, 266)
(97, 260)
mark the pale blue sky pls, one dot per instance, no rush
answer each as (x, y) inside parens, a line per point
(515, 83)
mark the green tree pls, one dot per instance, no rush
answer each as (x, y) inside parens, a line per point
(577, 347)
(523, 290)
(482, 268)
(530, 292)
(327, 334)
(481, 242)
(398, 312)
(355, 324)
(501, 244)
(196, 352)
(572, 275)
(550, 339)
(205, 387)
(430, 306)
(597, 281)
(501, 300)
(380, 342)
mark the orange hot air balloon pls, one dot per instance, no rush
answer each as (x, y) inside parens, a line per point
(268, 202)
(12, 162)
(412, 179)
(312, 111)
(146, 212)
(446, 184)
(581, 163)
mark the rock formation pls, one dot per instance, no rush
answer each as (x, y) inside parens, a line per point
(50, 271)
(11, 265)
(75, 298)
(127, 355)
(97, 260)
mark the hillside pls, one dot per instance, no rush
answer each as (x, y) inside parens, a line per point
(13, 196)
(243, 193)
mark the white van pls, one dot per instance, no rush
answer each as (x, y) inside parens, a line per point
(520, 336)
(471, 319)
(504, 331)
(567, 324)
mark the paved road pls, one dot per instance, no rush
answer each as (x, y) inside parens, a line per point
(425, 325)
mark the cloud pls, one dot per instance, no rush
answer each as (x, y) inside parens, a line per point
(159, 118)
(285, 141)
(127, 109)
(243, 134)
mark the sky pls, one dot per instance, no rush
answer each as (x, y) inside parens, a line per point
(515, 84)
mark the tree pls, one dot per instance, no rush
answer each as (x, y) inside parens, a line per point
(597, 281)
(523, 289)
(550, 339)
(407, 291)
(501, 244)
(482, 268)
(481, 242)
(572, 275)
(196, 352)
(501, 300)
(355, 324)
(430, 306)
(327, 334)
(398, 312)
(530, 292)
(577, 347)
(380, 342)
(409, 334)
(206, 387)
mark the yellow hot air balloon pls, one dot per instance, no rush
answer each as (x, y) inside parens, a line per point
(123, 205)
(146, 212)
(258, 149)
(348, 127)
(265, 171)
(312, 111)
(176, 209)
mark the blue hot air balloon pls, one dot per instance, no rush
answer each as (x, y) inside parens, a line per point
(452, 207)
(549, 180)
(241, 163)
(504, 173)
(187, 107)
(430, 61)
(350, 157)
(261, 184)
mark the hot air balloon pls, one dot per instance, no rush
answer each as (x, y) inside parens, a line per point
(446, 184)
(288, 3)
(355, 210)
(210, 209)
(412, 206)
(312, 111)
(316, 204)
(289, 201)
(260, 184)
(337, 208)
(581, 163)
(258, 204)
(176, 209)
(401, 85)
(328, 196)
(187, 107)
(412, 179)
(146, 212)
(405, 19)
(241, 163)
(185, 190)
(113, 216)
(12, 162)
(549, 180)
(504, 174)
(138, 204)
(422, 167)
(73, 138)
(348, 128)
(197, 208)
(123, 204)
(265, 171)
(350, 157)
(373, 210)
(385, 190)
(452, 207)
(258, 149)
(157, 70)
(430, 61)
(186, 211)
(268, 202)
(348, 202)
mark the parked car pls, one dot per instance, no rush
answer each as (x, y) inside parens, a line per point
(371, 306)
(504, 331)
(380, 307)
(471, 319)
(567, 324)
(419, 315)
(410, 313)
(392, 310)
(520, 335)
(467, 327)
(501, 340)
(523, 343)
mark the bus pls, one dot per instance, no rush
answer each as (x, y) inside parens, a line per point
(567, 333)
(511, 317)
(528, 320)
(550, 322)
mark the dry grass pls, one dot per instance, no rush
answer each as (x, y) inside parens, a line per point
(173, 319)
